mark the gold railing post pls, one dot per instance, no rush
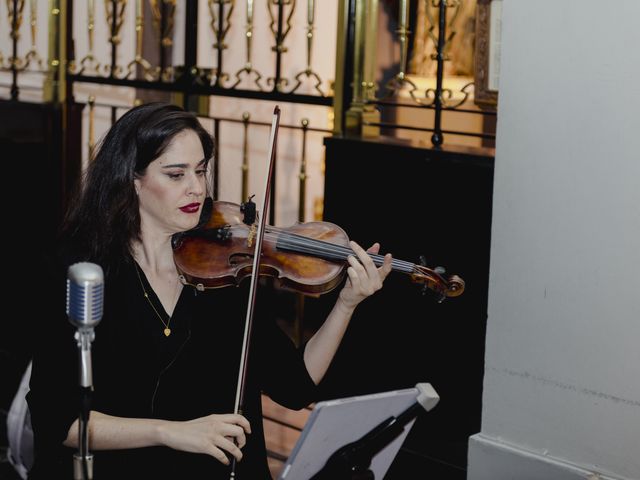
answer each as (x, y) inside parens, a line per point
(54, 88)
(92, 122)
(360, 112)
(246, 118)
(338, 83)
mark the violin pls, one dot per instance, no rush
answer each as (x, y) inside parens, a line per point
(309, 258)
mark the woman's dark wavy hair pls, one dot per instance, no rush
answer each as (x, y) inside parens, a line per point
(101, 224)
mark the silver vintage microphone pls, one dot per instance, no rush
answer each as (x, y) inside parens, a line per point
(85, 298)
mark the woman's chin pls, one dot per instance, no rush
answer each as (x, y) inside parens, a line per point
(190, 225)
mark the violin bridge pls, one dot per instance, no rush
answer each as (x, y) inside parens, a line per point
(252, 235)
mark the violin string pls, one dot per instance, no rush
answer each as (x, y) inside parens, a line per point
(341, 249)
(311, 245)
(338, 251)
(323, 246)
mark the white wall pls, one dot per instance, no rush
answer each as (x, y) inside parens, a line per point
(562, 367)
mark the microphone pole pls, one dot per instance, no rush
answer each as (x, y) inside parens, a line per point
(85, 295)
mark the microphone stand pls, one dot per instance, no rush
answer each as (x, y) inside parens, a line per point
(352, 461)
(83, 459)
(85, 293)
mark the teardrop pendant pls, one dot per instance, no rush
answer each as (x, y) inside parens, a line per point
(167, 332)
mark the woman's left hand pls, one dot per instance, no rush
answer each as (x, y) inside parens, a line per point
(364, 277)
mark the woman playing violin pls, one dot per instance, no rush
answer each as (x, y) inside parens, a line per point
(165, 356)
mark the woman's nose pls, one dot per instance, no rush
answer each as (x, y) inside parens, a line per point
(196, 185)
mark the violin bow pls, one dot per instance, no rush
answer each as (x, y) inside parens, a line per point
(259, 236)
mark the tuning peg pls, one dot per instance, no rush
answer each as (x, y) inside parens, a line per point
(440, 270)
(439, 296)
(224, 233)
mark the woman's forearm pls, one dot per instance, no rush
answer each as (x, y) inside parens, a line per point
(107, 432)
(212, 435)
(321, 348)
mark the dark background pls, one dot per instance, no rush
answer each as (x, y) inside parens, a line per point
(416, 201)
(39, 171)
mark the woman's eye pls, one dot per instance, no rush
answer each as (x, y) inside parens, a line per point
(201, 172)
(174, 176)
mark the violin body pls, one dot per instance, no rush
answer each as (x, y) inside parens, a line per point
(223, 255)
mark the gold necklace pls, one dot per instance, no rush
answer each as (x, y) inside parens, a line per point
(167, 330)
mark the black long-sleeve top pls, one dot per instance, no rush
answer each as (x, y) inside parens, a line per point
(138, 372)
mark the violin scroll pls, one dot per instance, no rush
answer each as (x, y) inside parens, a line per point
(434, 279)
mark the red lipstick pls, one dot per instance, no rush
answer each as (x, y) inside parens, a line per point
(191, 208)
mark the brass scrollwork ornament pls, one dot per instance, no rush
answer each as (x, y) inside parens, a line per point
(280, 36)
(220, 25)
(308, 71)
(32, 56)
(163, 14)
(15, 22)
(150, 73)
(88, 63)
(114, 13)
(248, 69)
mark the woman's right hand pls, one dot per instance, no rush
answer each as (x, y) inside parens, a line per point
(212, 435)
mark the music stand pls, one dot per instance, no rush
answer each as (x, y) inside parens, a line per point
(356, 437)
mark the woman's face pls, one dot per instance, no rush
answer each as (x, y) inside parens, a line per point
(172, 189)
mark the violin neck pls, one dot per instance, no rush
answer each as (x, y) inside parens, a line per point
(332, 252)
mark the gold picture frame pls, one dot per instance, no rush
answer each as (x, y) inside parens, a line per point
(487, 53)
